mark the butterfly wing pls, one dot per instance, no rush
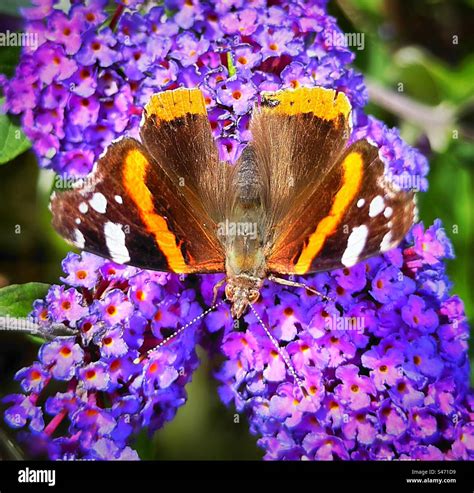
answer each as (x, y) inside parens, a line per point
(176, 131)
(327, 206)
(365, 215)
(297, 137)
(135, 209)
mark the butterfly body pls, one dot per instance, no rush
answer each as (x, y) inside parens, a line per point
(245, 263)
(299, 199)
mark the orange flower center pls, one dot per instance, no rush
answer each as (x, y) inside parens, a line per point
(35, 375)
(65, 351)
(112, 310)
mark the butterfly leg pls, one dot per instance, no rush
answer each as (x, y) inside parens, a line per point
(286, 282)
(216, 288)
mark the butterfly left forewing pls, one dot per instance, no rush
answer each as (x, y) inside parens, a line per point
(176, 132)
(130, 210)
(365, 214)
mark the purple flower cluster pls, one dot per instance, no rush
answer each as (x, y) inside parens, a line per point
(383, 366)
(108, 381)
(91, 74)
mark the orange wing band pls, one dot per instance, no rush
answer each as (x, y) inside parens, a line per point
(134, 174)
(353, 168)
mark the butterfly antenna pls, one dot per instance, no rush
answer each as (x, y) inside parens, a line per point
(178, 332)
(280, 351)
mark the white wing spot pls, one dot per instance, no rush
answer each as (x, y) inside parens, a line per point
(79, 239)
(386, 242)
(388, 212)
(98, 202)
(360, 203)
(78, 221)
(115, 241)
(355, 245)
(118, 199)
(376, 206)
(142, 119)
(83, 208)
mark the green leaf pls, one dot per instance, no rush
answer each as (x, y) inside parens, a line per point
(9, 56)
(422, 71)
(13, 141)
(17, 300)
(12, 7)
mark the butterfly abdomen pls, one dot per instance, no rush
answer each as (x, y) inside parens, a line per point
(248, 182)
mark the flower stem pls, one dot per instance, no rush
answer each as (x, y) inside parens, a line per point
(55, 422)
(115, 18)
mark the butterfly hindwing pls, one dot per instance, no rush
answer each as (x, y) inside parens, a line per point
(131, 211)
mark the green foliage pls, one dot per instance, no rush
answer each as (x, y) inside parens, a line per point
(9, 57)
(11, 7)
(17, 300)
(13, 141)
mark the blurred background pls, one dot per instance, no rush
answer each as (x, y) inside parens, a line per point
(424, 48)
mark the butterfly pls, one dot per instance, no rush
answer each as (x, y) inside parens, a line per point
(298, 200)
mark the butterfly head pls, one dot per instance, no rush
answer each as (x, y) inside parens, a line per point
(242, 290)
